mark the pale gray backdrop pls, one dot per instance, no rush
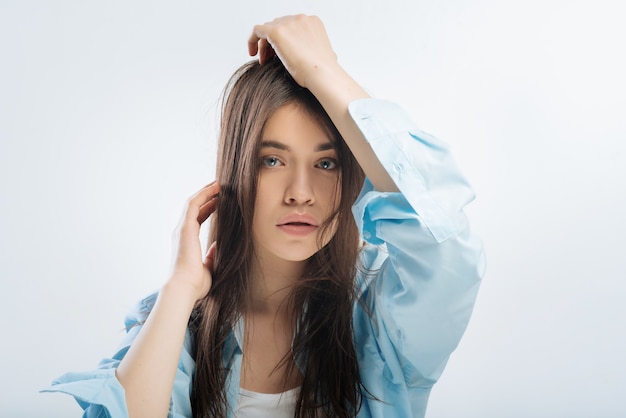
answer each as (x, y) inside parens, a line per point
(107, 124)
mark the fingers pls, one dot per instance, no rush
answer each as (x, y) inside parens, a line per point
(259, 43)
(266, 52)
(201, 205)
(209, 260)
(259, 34)
(253, 43)
(263, 36)
(207, 209)
(205, 193)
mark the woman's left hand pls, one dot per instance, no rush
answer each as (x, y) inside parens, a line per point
(300, 42)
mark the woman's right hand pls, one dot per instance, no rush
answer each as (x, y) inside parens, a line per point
(190, 269)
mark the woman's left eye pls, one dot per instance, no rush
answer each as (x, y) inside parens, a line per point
(327, 164)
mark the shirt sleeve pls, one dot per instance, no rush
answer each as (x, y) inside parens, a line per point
(423, 270)
(99, 392)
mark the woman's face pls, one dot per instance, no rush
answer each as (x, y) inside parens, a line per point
(298, 187)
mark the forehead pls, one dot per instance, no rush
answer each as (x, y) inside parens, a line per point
(291, 124)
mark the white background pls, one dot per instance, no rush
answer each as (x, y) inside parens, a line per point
(107, 124)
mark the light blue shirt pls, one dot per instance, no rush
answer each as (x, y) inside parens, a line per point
(424, 266)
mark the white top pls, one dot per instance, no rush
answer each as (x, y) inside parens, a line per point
(271, 405)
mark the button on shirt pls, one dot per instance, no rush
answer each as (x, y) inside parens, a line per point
(423, 268)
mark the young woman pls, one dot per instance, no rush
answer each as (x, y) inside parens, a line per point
(291, 313)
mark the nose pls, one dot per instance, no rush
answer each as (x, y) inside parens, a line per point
(299, 190)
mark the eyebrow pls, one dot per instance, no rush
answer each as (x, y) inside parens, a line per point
(267, 143)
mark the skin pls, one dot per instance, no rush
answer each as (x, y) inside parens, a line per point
(148, 369)
(299, 176)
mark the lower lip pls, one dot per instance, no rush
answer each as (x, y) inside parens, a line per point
(298, 230)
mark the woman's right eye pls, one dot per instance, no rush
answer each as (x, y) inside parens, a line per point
(270, 161)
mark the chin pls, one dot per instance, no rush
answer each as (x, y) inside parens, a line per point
(296, 256)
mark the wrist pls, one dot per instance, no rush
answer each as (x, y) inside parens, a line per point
(334, 87)
(182, 293)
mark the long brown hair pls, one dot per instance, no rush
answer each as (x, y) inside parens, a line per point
(323, 340)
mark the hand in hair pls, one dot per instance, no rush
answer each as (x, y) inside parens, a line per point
(189, 269)
(300, 42)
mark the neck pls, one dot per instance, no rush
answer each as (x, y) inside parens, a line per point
(273, 281)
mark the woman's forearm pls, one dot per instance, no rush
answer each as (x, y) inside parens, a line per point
(148, 370)
(335, 90)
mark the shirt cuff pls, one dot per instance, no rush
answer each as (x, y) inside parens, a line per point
(419, 164)
(99, 387)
